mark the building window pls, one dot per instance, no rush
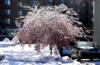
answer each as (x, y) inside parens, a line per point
(20, 3)
(20, 13)
(62, 1)
(7, 20)
(50, 1)
(71, 2)
(7, 2)
(8, 12)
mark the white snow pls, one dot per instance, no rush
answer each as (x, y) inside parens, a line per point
(6, 40)
(18, 55)
(85, 45)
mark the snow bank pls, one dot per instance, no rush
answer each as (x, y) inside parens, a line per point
(18, 55)
(6, 40)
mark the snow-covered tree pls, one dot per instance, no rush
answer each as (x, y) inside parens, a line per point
(48, 26)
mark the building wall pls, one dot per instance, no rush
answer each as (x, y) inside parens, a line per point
(86, 13)
(1, 16)
(9, 11)
(97, 24)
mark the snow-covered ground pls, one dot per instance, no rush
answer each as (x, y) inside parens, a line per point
(18, 55)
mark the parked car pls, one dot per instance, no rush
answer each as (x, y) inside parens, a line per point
(86, 50)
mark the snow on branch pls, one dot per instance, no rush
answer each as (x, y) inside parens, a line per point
(47, 25)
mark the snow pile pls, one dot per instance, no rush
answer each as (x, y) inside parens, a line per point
(6, 40)
(25, 53)
(48, 60)
(6, 43)
(18, 55)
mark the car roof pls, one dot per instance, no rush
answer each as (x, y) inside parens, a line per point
(84, 44)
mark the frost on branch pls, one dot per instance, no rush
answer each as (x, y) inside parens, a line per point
(48, 26)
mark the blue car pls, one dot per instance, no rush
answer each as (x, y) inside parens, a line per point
(65, 51)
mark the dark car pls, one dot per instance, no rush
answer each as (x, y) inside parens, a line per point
(86, 50)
